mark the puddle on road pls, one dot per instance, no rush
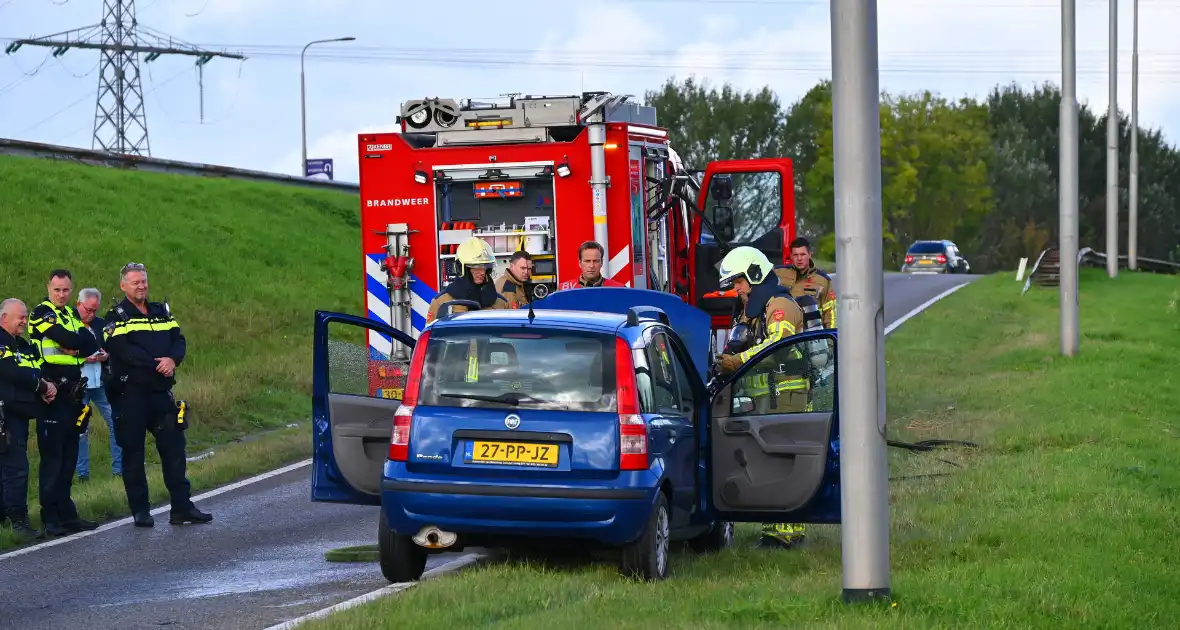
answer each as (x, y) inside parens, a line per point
(284, 568)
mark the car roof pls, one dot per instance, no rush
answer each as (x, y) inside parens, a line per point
(591, 321)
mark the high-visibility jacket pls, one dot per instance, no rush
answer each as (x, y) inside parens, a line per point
(772, 316)
(814, 282)
(55, 330)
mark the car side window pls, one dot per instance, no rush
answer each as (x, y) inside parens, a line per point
(687, 401)
(797, 377)
(664, 386)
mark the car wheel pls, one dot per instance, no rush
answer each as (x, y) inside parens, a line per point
(401, 559)
(718, 538)
(647, 558)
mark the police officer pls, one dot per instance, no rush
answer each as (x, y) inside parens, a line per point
(477, 259)
(802, 277)
(23, 394)
(767, 315)
(146, 346)
(56, 328)
(511, 284)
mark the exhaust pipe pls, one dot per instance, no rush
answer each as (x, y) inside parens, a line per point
(432, 537)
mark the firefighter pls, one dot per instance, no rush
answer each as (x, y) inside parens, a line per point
(803, 278)
(477, 259)
(590, 257)
(23, 394)
(54, 326)
(146, 347)
(767, 314)
(511, 284)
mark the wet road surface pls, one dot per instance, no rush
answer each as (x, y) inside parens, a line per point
(260, 563)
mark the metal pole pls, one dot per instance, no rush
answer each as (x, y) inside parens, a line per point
(598, 182)
(1133, 202)
(303, 97)
(1112, 149)
(864, 469)
(1067, 188)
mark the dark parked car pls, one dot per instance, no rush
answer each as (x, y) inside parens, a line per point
(935, 257)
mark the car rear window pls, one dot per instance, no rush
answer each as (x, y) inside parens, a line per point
(927, 248)
(504, 369)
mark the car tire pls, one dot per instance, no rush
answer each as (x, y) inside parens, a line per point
(648, 557)
(401, 559)
(716, 539)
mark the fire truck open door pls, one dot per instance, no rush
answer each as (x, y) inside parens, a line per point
(749, 202)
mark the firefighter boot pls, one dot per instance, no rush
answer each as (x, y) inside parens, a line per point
(782, 535)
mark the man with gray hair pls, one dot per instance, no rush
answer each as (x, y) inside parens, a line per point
(24, 395)
(95, 369)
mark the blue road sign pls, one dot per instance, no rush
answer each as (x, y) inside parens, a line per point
(319, 168)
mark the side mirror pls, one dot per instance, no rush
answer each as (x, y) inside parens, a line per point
(722, 187)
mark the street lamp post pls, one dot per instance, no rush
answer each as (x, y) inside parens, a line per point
(303, 96)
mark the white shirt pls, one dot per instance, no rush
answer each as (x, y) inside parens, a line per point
(92, 371)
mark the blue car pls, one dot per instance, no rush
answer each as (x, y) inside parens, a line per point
(587, 420)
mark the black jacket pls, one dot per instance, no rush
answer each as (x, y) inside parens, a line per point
(20, 386)
(135, 340)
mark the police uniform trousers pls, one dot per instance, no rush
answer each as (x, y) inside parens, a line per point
(57, 443)
(14, 470)
(138, 412)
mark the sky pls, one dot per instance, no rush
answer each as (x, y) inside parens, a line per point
(484, 49)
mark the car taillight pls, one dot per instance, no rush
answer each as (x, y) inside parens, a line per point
(632, 428)
(403, 418)
(941, 259)
(909, 259)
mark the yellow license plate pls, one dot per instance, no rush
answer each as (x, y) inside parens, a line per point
(924, 261)
(514, 453)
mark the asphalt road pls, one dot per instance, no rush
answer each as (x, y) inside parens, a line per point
(258, 564)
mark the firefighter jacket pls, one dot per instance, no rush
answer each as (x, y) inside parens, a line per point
(56, 330)
(136, 339)
(581, 283)
(813, 282)
(463, 288)
(771, 315)
(512, 291)
(20, 375)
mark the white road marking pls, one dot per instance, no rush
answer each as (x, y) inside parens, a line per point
(160, 510)
(921, 307)
(453, 565)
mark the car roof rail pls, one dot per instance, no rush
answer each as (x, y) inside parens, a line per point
(445, 308)
(635, 313)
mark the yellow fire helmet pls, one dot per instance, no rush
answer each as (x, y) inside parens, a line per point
(475, 252)
(744, 261)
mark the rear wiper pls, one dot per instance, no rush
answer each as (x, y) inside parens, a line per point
(510, 398)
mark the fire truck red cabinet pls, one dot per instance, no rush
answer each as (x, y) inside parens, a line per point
(545, 174)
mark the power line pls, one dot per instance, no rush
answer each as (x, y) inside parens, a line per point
(120, 120)
(995, 63)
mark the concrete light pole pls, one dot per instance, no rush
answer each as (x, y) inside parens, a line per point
(303, 97)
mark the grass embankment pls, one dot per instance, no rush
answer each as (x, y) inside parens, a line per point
(1063, 518)
(243, 266)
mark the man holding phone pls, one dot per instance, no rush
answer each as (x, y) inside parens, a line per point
(95, 369)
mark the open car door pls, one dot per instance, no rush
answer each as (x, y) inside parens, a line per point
(773, 435)
(355, 392)
(749, 202)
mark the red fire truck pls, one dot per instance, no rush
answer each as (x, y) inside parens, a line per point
(544, 174)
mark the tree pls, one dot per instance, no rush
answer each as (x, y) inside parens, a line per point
(706, 124)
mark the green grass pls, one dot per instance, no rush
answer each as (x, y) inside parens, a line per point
(242, 264)
(1063, 518)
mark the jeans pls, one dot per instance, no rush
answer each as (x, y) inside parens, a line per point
(97, 396)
